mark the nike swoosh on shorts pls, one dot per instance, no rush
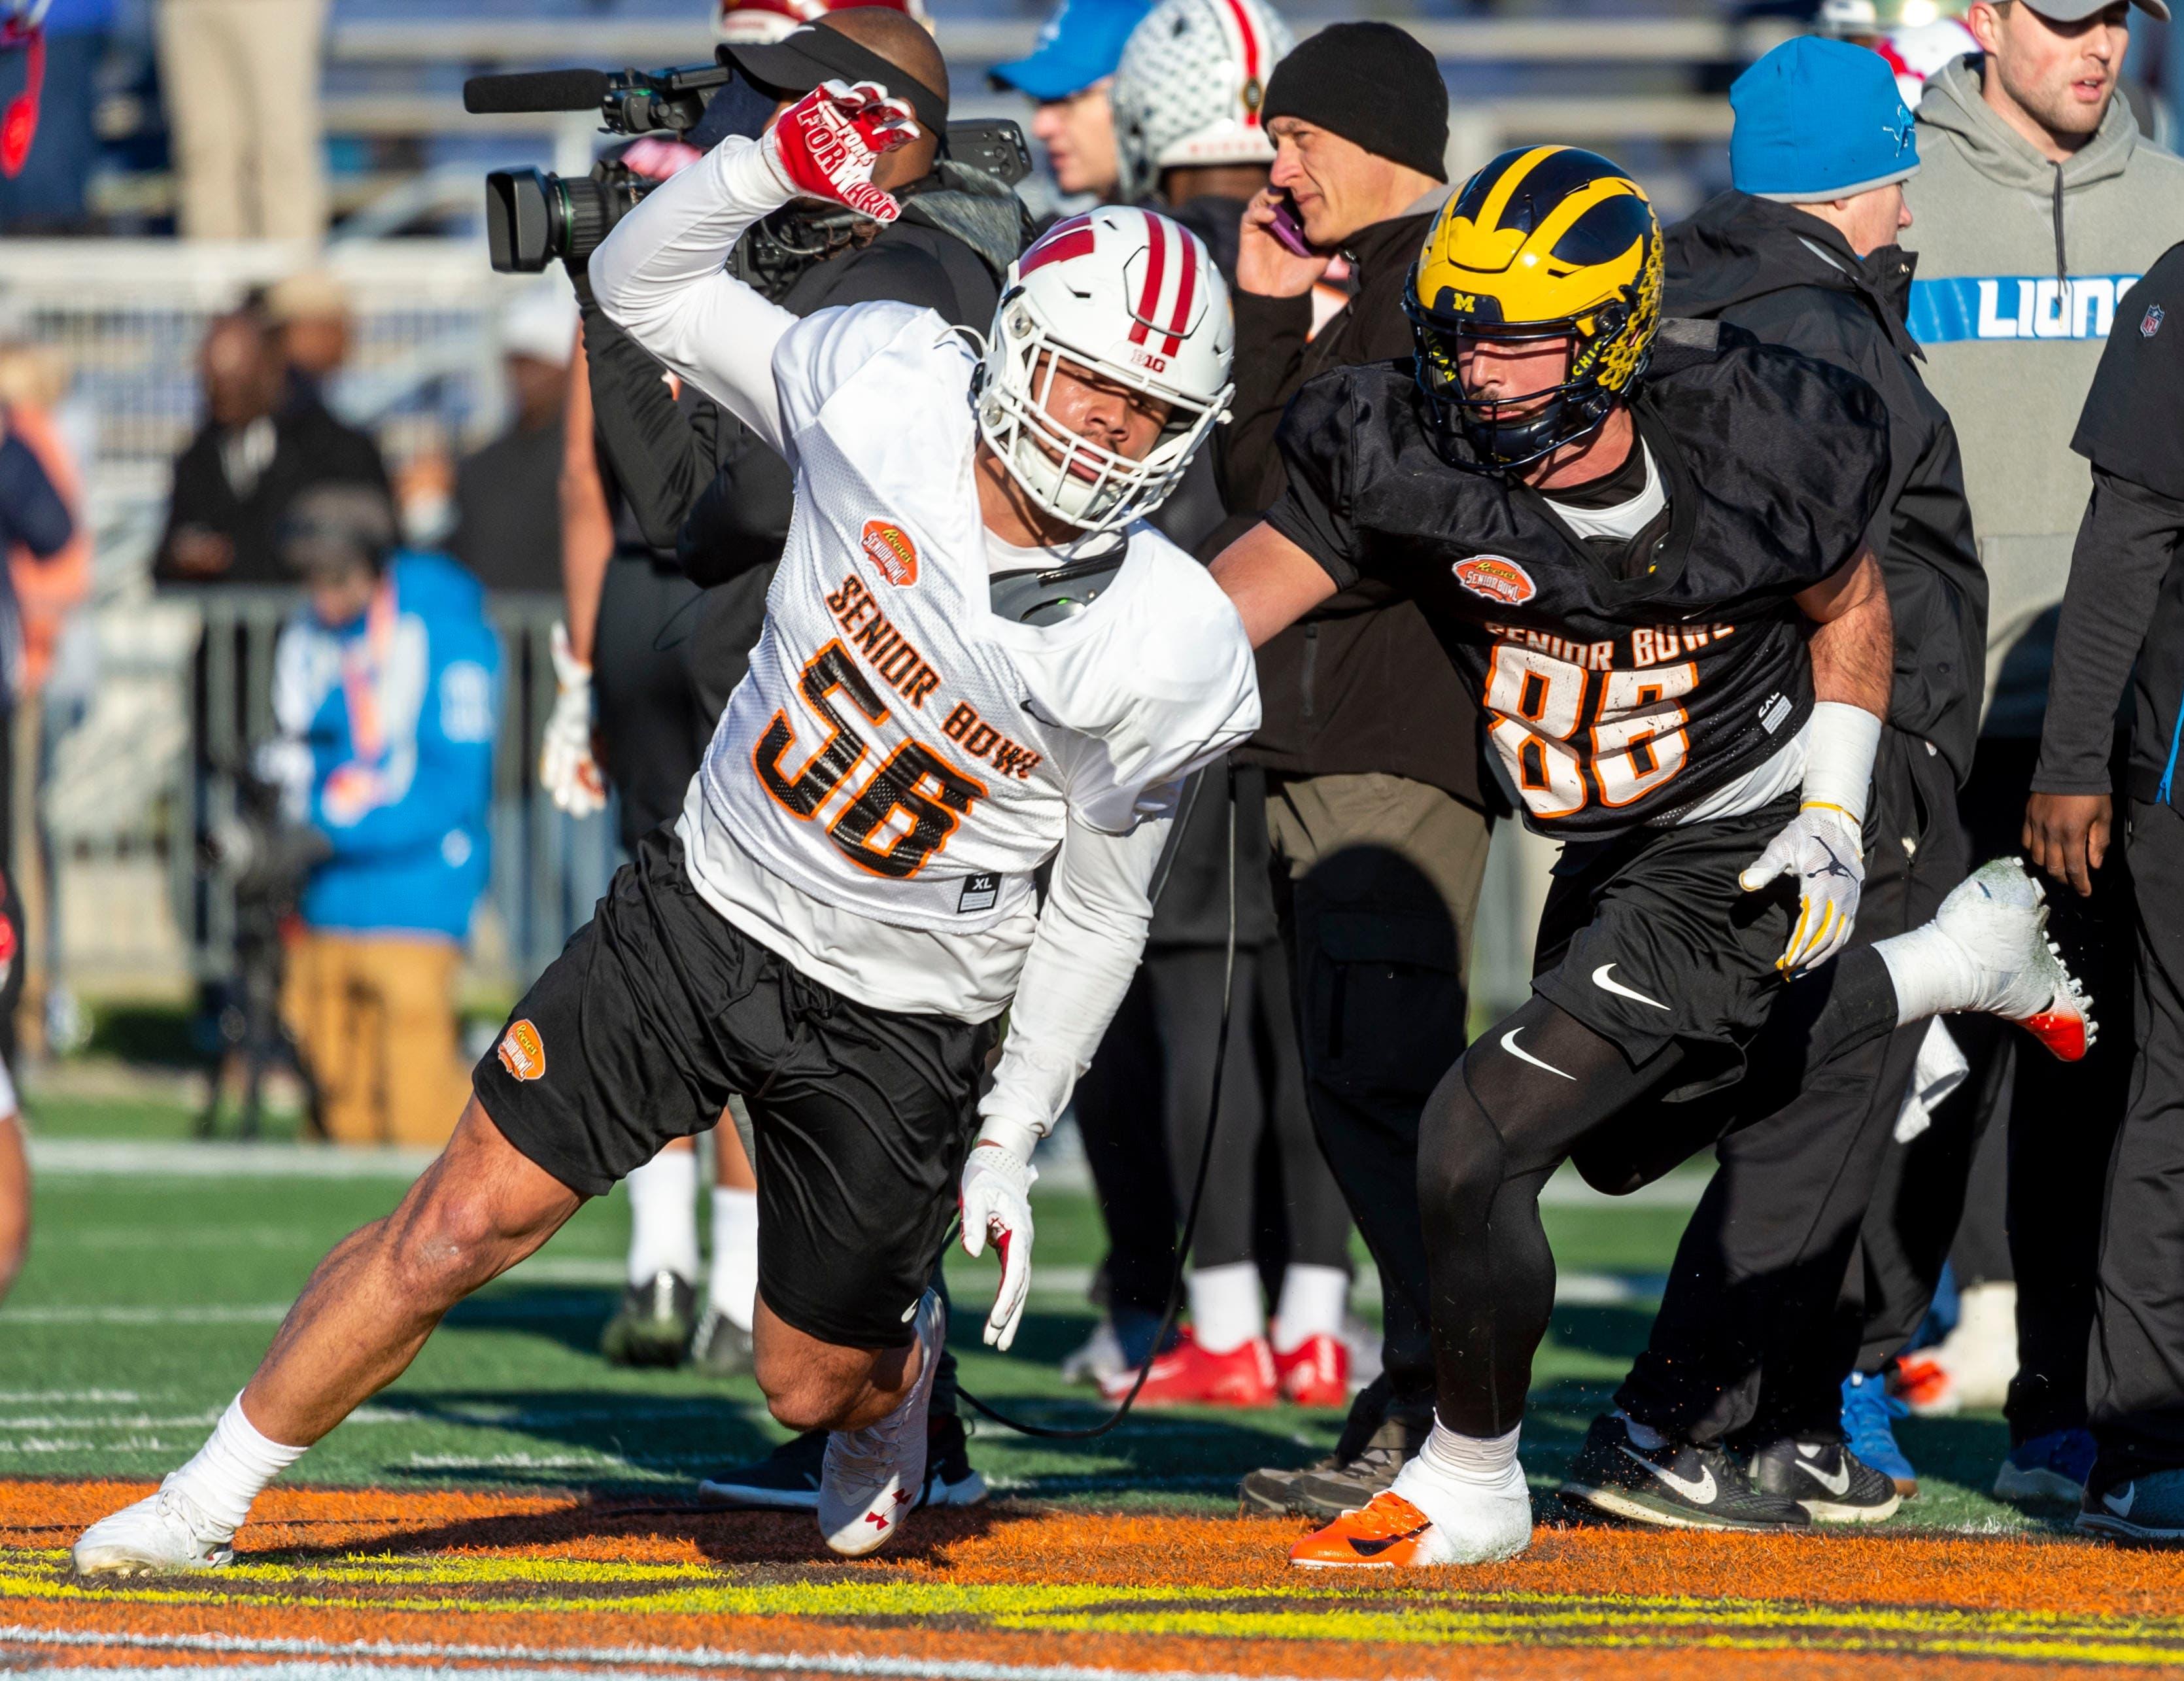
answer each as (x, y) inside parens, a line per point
(1608, 982)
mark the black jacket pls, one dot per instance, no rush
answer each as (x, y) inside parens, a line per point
(310, 447)
(508, 510)
(1791, 279)
(1360, 685)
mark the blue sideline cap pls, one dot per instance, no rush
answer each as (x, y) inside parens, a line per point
(1816, 119)
(1082, 42)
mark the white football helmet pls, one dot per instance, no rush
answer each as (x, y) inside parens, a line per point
(1131, 296)
(1189, 87)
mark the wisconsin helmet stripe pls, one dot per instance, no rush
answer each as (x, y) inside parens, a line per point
(1064, 240)
(1186, 287)
(1255, 52)
(1156, 267)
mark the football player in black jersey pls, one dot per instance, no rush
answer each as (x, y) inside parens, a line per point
(1644, 543)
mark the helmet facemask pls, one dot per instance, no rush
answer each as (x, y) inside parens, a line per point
(1078, 482)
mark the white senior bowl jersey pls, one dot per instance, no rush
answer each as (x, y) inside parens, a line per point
(897, 751)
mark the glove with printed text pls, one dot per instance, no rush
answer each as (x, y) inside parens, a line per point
(996, 1199)
(827, 143)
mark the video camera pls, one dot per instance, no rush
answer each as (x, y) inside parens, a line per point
(533, 217)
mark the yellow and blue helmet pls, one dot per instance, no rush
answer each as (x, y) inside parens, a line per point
(1545, 242)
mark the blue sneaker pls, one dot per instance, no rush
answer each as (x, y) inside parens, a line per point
(2149, 1508)
(2050, 1467)
(1869, 1413)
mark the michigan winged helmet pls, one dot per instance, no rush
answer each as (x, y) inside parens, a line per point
(1544, 243)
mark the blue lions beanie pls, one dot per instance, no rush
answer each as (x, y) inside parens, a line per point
(1817, 119)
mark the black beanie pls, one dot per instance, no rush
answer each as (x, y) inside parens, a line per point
(1371, 83)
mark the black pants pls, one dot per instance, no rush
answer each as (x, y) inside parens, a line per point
(1262, 1103)
(2062, 1120)
(653, 726)
(1753, 1335)
(2135, 1368)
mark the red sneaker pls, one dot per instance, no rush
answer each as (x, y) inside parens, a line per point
(1924, 1385)
(1187, 1375)
(1316, 1373)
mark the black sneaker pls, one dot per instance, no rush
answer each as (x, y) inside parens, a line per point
(787, 1478)
(652, 1325)
(1674, 1486)
(722, 1348)
(1327, 1488)
(1827, 1479)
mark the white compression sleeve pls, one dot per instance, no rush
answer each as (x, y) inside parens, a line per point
(1091, 933)
(659, 276)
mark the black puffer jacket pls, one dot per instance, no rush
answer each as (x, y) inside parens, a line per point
(1790, 278)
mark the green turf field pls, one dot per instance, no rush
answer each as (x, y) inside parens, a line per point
(151, 1292)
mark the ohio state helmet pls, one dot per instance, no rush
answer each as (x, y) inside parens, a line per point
(751, 23)
(1189, 85)
(1127, 295)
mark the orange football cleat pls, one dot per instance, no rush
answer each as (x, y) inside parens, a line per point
(1316, 1373)
(1926, 1386)
(1188, 1375)
(1387, 1533)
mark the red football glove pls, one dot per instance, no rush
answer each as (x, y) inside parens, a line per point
(828, 141)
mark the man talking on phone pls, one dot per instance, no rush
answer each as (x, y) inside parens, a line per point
(1379, 831)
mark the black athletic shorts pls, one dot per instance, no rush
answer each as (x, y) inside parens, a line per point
(1647, 938)
(658, 1008)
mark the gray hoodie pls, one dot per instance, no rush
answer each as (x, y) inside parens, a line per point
(2022, 265)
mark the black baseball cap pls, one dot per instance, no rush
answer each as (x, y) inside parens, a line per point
(812, 53)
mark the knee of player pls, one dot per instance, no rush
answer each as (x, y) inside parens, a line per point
(448, 1247)
(1461, 1158)
(799, 1397)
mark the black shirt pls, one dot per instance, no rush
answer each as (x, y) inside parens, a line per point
(508, 510)
(1612, 700)
(2125, 596)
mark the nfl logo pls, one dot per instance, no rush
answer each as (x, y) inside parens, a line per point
(2151, 324)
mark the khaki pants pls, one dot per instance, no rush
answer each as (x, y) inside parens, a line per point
(1377, 880)
(376, 1017)
(240, 80)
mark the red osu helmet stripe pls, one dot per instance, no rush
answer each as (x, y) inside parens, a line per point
(1254, 52)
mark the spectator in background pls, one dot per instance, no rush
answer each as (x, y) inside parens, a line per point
(508, 523)
(314, 327)
(240, 79)
(46, 198)
(249, 460)
(1069, 75)
(1379, 827)
(385, 687)
(2037, 205)
(744, 23)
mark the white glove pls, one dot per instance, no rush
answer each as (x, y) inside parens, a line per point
(566, 769)
(996, 1199)
(1820, 847)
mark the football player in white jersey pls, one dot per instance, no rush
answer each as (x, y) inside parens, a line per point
(846, 905)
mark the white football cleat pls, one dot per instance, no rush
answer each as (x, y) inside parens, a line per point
(1997, 917)
(159, 1536)
(872, 1478)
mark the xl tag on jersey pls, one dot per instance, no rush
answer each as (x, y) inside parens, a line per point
(1495, 578)
(889, 549)
(981, 892)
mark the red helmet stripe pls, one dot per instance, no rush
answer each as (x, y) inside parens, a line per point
(1058, 245)
(1155, 272)
(1255, 52)
(1186, 285)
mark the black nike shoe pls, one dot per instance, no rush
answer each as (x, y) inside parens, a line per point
(1674, 1486)
(1831, 1482)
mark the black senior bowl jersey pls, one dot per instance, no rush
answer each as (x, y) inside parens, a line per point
(1613, 695)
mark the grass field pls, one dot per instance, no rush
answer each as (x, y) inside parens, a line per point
(158, 1276)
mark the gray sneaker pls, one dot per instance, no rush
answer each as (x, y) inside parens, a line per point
(722, 1348)
(872, 1478)
(2149, 1508)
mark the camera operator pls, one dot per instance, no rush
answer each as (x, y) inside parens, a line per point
(385, 687)
(676, 618)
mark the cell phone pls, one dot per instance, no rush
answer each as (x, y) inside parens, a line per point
(1288, 228)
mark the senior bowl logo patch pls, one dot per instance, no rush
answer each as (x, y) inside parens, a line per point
(2151, 324)
(522, 1052)
(1495, 578)
(890, 549)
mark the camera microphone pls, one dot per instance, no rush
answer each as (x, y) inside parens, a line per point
(576, 90)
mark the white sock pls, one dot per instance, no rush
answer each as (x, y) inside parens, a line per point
(1932, 974)
(733, 1288)
(232, 1469)
(1482, 1459)
(663, 1217)
(1226, 1308)
(1312, 1304)
(1642, 1434)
